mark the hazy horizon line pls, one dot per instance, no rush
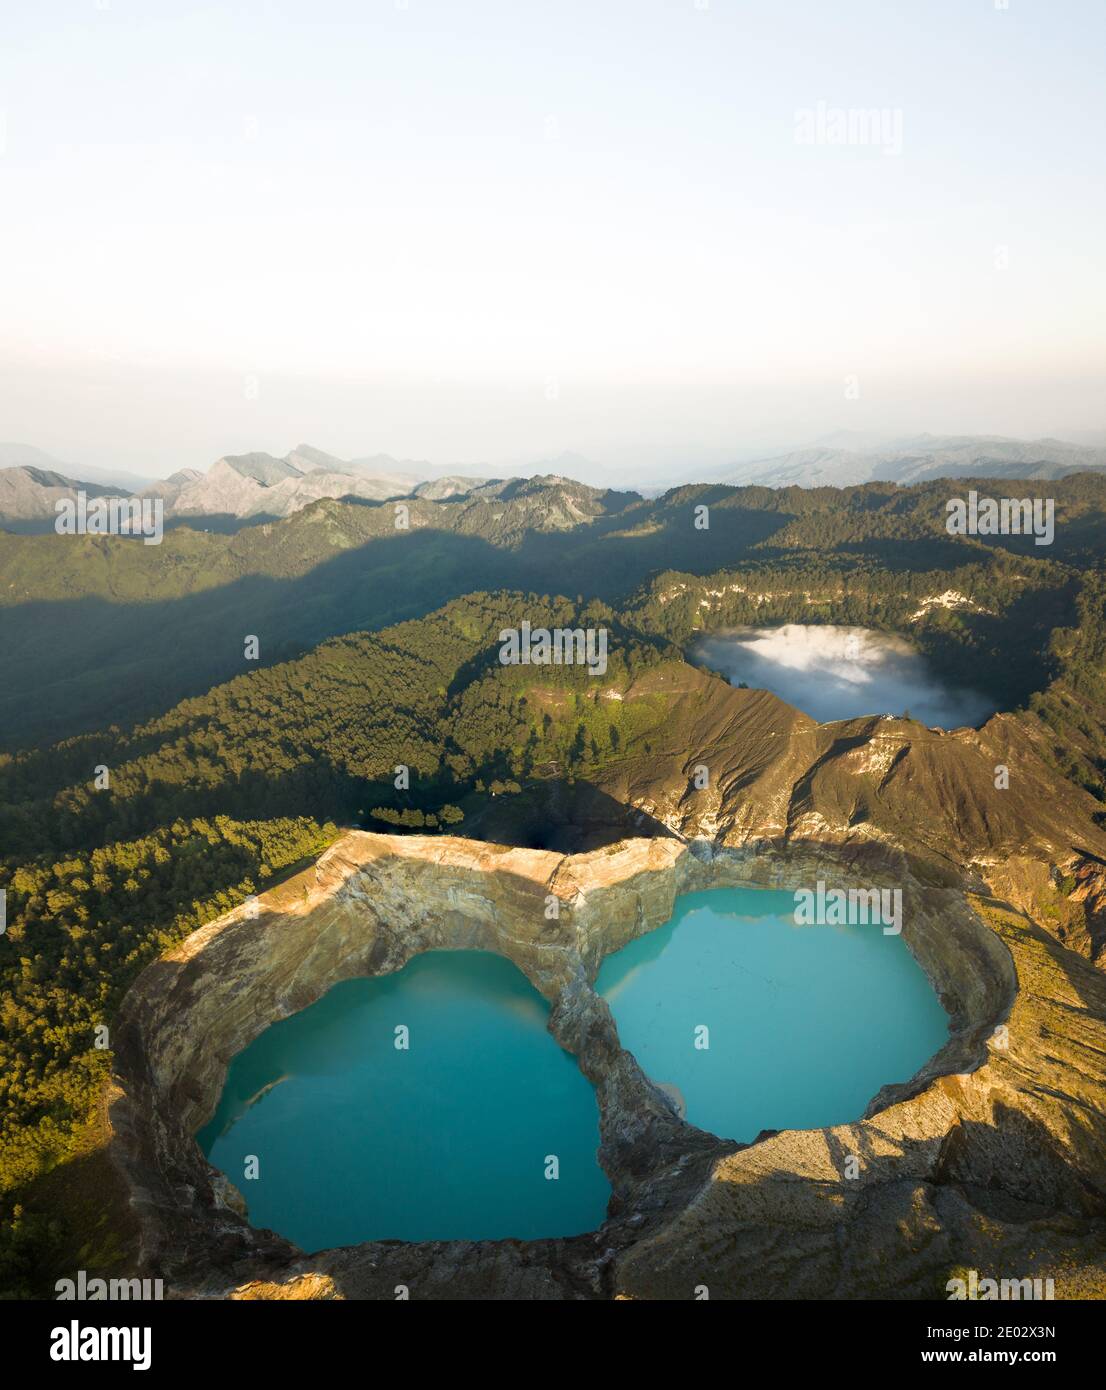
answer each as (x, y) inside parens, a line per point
(845, 441)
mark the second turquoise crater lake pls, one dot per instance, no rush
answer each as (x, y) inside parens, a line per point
(804, 1023)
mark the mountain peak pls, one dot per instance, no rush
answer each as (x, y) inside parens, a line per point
(262, 468)
(305, 457)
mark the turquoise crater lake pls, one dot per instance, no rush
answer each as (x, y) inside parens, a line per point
(806, 1023)
(356, 1139)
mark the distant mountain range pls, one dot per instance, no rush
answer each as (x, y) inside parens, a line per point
(241, 487)
(919, 458)
(27, 456)
(28, 495)
(258, 485)
(244, 488)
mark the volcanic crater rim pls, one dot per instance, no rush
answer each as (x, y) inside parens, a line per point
(365, 908)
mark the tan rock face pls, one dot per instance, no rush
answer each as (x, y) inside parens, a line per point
(992, 1157)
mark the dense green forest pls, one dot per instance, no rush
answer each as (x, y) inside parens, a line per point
(115, 843)
(324, 735)
(80, 928)
(1069, 715)
(994, 635)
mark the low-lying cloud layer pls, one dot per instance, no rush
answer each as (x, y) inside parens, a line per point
(840, 673)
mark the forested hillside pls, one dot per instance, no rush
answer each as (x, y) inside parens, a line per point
(111, 631)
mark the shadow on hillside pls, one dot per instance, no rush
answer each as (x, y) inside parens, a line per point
(553, 814)
(81, 1217)
(1001, 1198)
(87, 663)
(567, 817)
(223, 523)
(896, 554)
(1015, 1168)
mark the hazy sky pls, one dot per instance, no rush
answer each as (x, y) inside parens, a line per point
(492, 230)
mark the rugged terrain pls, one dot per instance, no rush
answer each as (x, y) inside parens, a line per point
(217, 795)
(111, 631)
(992, 1158)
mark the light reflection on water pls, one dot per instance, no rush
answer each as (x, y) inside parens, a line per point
(840, 673)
